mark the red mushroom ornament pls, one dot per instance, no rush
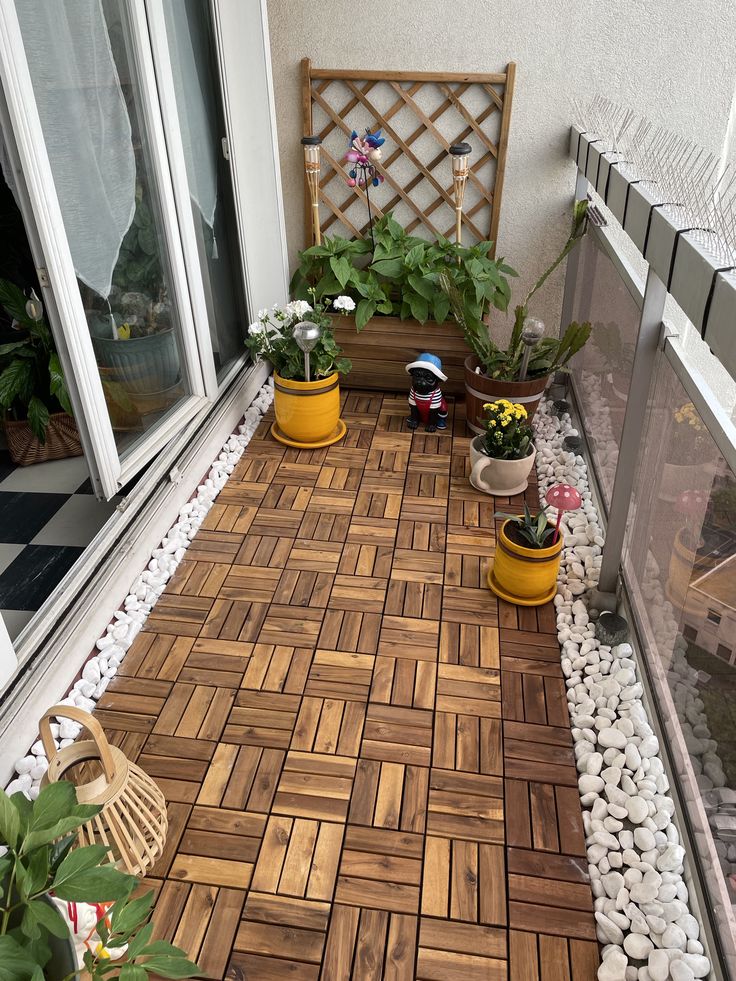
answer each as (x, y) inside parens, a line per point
(564, 498)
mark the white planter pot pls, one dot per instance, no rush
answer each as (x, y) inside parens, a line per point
(503, 478)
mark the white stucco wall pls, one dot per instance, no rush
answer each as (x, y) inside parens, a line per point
(673, 59)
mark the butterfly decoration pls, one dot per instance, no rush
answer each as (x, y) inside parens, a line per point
(364, 153)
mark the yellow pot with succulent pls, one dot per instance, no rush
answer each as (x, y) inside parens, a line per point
(527, 559)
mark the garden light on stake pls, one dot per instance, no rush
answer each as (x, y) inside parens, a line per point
(306, 334)
(312, 146)
(459, 153)
(564, 498)
(531, 334)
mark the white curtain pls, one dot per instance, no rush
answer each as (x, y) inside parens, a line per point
(86, 129)
(188, 36)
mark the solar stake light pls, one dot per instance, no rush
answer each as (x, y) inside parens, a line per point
(531, 334)
(460, 153)
(306, 334)
(312, 148)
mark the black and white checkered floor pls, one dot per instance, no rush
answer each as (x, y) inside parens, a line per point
(48, 515)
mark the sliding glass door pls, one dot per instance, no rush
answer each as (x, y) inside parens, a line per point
(118, 119)
(185, 54)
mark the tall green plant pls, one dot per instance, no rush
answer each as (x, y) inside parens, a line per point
(551, 353)
(32, 383)
(39, 860)
(401, 274)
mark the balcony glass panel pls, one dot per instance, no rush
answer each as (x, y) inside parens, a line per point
(602, 370)
(680, 557)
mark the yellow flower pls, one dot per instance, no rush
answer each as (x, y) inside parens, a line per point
(491, 422)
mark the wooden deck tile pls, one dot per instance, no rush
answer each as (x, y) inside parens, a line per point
(366, 756)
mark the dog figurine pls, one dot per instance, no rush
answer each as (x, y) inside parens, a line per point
(426, 401)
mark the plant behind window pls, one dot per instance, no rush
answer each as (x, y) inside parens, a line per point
(32, 384)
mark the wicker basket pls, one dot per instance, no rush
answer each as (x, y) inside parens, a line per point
(62, 440)
(132, 823)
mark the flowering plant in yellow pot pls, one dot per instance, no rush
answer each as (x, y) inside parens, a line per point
(502, 457)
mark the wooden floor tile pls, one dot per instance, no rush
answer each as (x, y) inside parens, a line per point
(342, 674)
(380, 869)
(315, 785)
(329, 725)
(397, 735)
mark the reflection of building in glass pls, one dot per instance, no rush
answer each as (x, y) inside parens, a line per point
(709, 617)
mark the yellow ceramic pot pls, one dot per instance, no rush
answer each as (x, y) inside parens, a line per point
(307, 412)
(522, 575)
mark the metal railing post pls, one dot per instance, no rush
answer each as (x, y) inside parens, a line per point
(645, 353)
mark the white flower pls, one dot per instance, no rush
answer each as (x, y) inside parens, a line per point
(344, 303)
(297, 308)
(256, 328)
(263, 314)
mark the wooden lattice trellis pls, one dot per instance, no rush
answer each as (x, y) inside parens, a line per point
(421, 114)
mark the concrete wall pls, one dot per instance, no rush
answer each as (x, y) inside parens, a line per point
(672, 59)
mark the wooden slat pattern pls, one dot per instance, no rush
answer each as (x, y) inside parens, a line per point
(474, 108)
(366, 757)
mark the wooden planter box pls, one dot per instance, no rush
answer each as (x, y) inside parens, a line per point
(381, 351)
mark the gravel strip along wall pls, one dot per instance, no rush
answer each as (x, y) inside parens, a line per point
(142, 597)
(635, 857)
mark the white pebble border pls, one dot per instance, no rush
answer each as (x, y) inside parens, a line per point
(635, 858)
(142, 597)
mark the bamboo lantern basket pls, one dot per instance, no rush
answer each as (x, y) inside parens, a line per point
(132, 823)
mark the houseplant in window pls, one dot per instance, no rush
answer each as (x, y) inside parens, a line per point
(519, 372)
(137, 342)
(502, 457)
(47, 884)
(400, 307)
(34, 400)
(298, 341)
(691, 456)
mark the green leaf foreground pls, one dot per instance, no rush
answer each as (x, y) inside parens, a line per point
(41, 860)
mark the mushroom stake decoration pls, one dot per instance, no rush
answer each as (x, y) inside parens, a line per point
(564, 498)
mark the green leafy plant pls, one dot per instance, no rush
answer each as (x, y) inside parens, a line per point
(400, 275)
(271, 337)
(551, 353)
(32, 383)
(535, 529)
(39, 860)
(508, 436)
(138, 268)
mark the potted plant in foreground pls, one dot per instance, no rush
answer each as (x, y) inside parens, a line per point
(527, 559)
(43, 877)
(520, 371)
(34, 400)
(307, 366)
(502, 457)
